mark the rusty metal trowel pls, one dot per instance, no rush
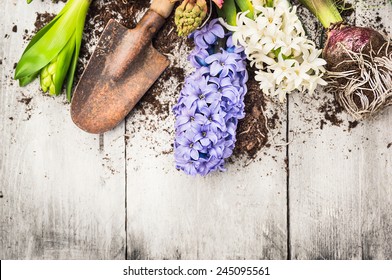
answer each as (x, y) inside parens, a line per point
(122, 68)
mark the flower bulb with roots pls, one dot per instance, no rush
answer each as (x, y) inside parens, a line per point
(359, 62)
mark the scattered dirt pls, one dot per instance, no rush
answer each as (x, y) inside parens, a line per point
(41, 20)
(322, 123)
(346, 9)
(251, 133)
(100, 13)
(331, 111)
(25, 100)
(28, 108)
(352, 125)
(377, 23)
(389, 145)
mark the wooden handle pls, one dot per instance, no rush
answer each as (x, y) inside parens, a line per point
(162, 7)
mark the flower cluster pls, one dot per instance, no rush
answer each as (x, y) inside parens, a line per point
(210, 103)
(275, 43)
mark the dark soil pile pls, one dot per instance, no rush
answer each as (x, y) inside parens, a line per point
(252, 133)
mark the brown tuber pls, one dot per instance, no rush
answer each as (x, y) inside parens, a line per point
(359, 61)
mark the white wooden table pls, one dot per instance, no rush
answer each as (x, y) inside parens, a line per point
(65, 194)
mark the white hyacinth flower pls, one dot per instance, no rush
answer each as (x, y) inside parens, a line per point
(276, 45)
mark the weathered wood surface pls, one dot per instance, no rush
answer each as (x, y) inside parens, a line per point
(340, 178)
(234, 215)
(67, 194)
(62, 190)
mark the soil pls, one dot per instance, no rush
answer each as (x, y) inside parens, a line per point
(345, 8)
(252, 134)
(42, 19)
(331, 110)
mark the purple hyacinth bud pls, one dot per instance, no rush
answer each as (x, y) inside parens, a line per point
(208, 35)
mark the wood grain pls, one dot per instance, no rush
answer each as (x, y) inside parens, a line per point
(62, 190)
(376, 159)
(239, 214)
(65, 194)
(340, 179)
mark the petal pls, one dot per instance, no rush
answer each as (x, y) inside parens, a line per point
(218, 31)
(183, 141)
(215, 68)
(205, 142)
(210, 38)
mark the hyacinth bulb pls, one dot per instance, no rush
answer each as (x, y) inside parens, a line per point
(359, 62)
(360, 69)
(344, 39)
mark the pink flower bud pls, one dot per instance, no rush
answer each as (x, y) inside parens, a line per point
(219, 3)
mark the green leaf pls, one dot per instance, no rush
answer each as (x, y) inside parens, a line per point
(48, 46)
(230, 12)
(71, 75)
(53, 52)
(324, 10)
(78, 42)
(28, 79)
(42, 32)
(63, 61)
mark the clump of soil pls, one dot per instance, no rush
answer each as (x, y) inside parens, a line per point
(252, 133)
(28, 108)
(331, 110)
(332, 113)
(345, 9)
(42, 19)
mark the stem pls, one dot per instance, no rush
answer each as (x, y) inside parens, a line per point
(230, 12)
(246, 6)
(270, 3)
(324, 10)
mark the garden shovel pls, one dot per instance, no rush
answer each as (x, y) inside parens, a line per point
(122, 68)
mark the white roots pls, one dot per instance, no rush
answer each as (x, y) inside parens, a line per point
(368, 88)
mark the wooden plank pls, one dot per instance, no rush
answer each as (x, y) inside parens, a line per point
(62, 190)
(376, 197)
(240, 214)
(340, 179)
